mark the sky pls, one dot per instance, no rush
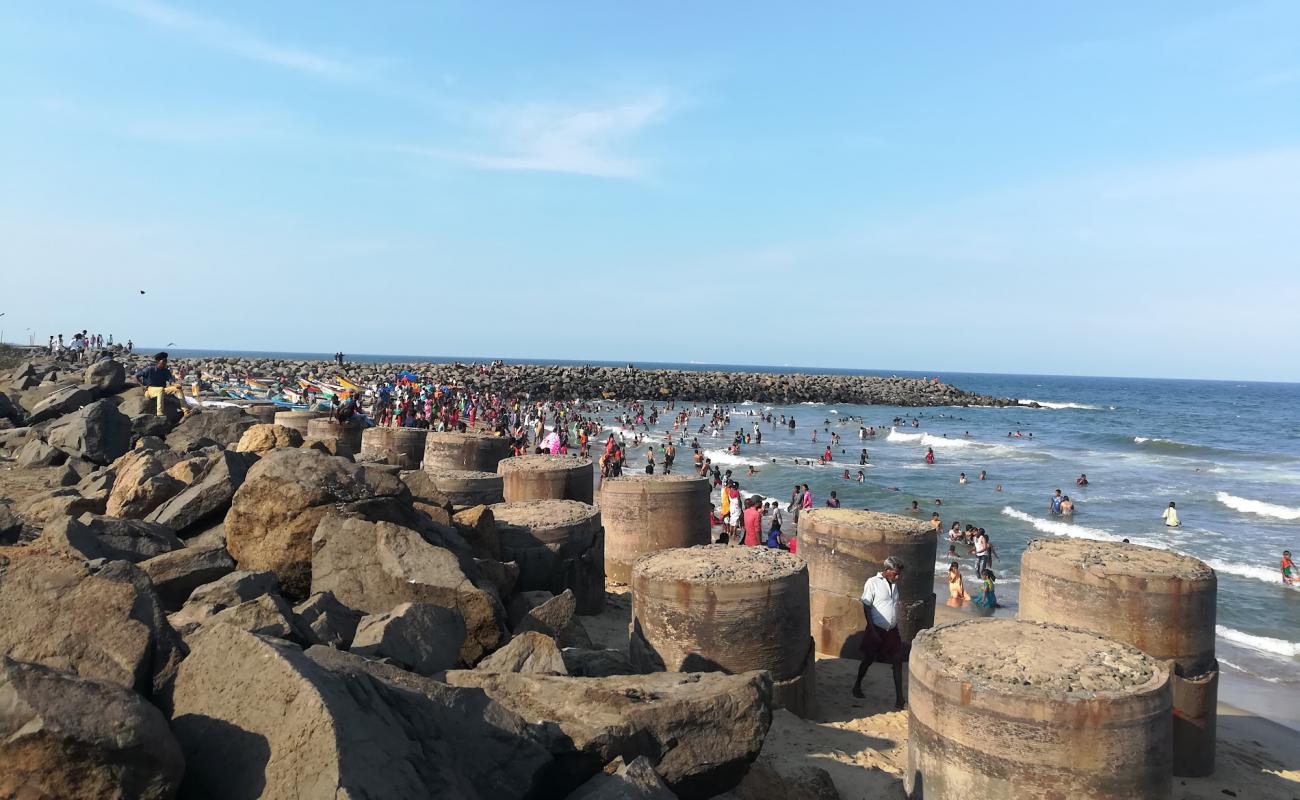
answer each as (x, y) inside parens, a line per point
(1096, 188)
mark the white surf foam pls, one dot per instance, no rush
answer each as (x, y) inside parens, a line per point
(1057, 528)
(1258, 507)
(1058, 406)
(925, 439)
(1273, 576)
(722, 457)
(1262, 644)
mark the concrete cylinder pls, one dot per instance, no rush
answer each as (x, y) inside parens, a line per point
(264, 412)
(477, 452)
(346, 435)
(730, 609)
(558, 545)
(646, 513)
(845, 547)
(542, 477)
(1035, 711)
(467, 488)
(298, 419)
(1160, 602)
(399, 447)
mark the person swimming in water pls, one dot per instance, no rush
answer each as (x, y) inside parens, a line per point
(1171, 516)
(1082, 480)
(1288, 569)
(929, 455)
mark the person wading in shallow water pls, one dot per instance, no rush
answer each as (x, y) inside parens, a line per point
(881, 641)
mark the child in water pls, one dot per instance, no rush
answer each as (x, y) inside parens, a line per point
(956, 586)
(987, 599)
(1288, 569)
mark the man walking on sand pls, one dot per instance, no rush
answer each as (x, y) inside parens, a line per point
(880, 640)
(157, 382)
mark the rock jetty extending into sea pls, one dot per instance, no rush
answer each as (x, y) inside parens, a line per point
(553, 382)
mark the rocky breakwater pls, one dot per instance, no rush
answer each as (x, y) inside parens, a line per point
(542, 381)
(207, 607)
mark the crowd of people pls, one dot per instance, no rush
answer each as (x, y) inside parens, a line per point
(82, 346)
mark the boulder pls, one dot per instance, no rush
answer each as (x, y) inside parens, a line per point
(622, 781)
(282, 499)
(262, 438)
(37, 454)
(259, 718)
(177, 574)
(105, 377)
(98, 433)
(62, 400)
(127, 539)
(268, 615)
(478, 526)
(10, 525)
(375, 566)
(503, 575)
(208, 496)
(528, 652)
(212, 536)
(8, 410)
(421, 637)
(62, 736)
(423, 489)
(141, 483)
(150, 425)
(700, 730)
(228, 591)
(103, 625)
(98, 485)
(66, 536)
(219, 426)
(44, 507)
(555, 618)
(331, 622)
(584, 663)
(764, 782)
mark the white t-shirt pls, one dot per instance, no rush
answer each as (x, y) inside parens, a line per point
(881, 599)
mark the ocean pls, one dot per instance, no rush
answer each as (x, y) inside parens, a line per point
(1228, 453)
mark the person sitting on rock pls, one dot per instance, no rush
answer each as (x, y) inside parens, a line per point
(158, 382)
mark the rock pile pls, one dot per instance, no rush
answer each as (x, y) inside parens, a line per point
(205, 607)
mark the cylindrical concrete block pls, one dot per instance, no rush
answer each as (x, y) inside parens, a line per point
(1035, 711)
(558, 545)
(298, 419)
(1160, 602)
(467, 488)
(346, 435)
(476, 452)
(400, 447)
(716, 608)
(845, 547)
(541, 477)
(265, 412)
(646, 513)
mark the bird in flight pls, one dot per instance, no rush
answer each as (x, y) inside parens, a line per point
(142, 291)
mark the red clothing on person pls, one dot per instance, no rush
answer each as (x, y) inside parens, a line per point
(753, 524)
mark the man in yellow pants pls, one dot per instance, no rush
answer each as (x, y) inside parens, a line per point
(158, 382)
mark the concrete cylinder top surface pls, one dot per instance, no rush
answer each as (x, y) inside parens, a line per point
(346, 435)
(1031, 710)
(1160, 602)
(298, 419)
(467, 487)
(558, 545)
(545, 477)
(478, 452)
(843, 548)
(725, 608)
(646, 513)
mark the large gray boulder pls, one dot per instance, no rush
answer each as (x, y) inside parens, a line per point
(228, 591)
(530, 652)
(105, 377)
(635, 781)
(421, 637)
(177, 574)
(103, 625)
(207, 497)
(142, 482)
(98, 433)
(586, 663)
(331, 622)
(209, 426)
(130, 539)
(10, 525)
(36, 454)
(62, 400)
(67, 737)
(258, 718)
(276, 509)
(700, 730)
(376, 566)
(268, 615)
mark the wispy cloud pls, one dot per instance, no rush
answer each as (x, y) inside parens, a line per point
(546, 138)
(231, 38)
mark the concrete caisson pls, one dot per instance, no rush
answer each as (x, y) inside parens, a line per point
(845, 547)
(400, 447)
(466, 487)
(544, 477)
(346, 435)
(264, 412)
(298, 419)
(1160, 602)
(476, 452)
(1035, 711)
(647, 513)
(558, 545)
(729, 609)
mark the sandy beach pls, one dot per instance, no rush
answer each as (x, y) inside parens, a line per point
(862, 744)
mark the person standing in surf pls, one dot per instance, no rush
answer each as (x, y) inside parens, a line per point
(1171, 516)
(1288, 569)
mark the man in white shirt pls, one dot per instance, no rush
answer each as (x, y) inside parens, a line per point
(880, 640)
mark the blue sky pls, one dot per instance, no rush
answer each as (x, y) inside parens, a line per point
(1083, 188)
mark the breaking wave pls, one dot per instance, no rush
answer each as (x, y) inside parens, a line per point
(1262, 644)
(1259, 507)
